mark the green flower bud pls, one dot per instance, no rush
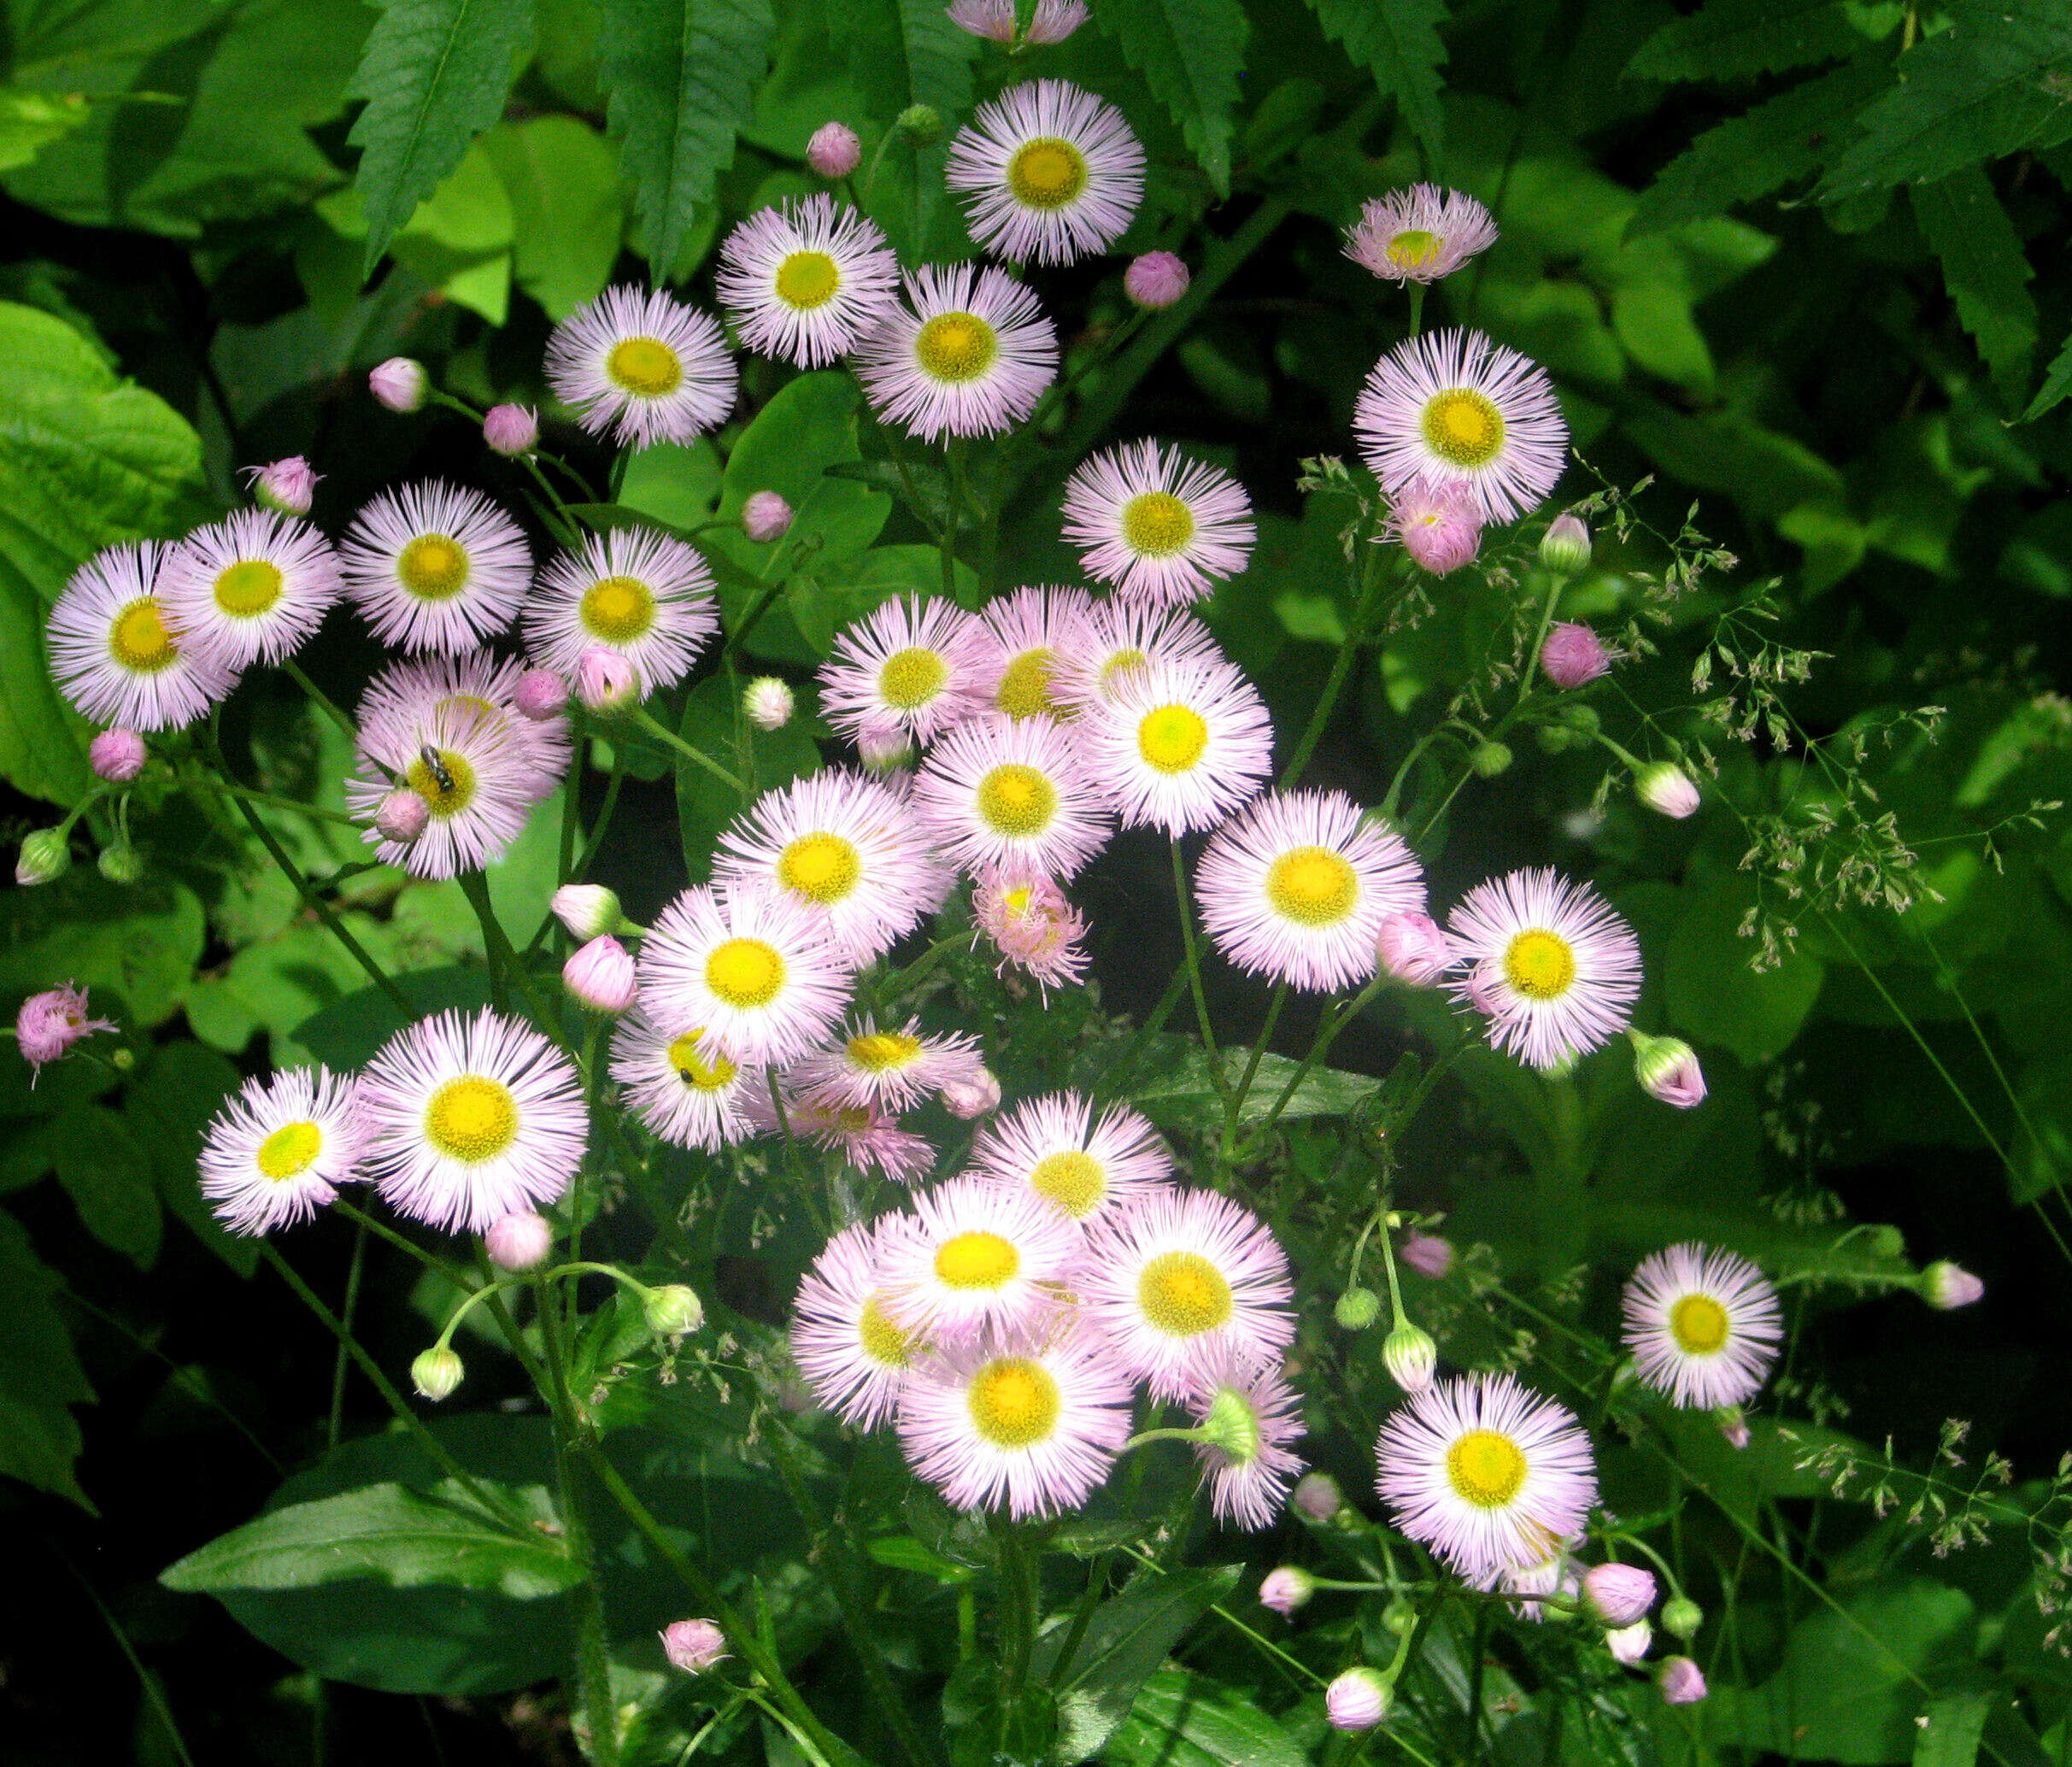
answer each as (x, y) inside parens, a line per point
(1489, 760)
(673, 1310)
(46, 856)
(921, 124)
(1681, 1618)
(436, 1372)
(1565, 546)
(1409, 1356)
(1357, 1309)
(120, 864)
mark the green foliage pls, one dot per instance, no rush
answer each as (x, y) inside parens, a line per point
(40, 1375)
(1189, 52)
(1398, 42)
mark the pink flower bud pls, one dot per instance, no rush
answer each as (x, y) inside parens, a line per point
(1156, 280)
(1681, 1681)
(1667, 1069)
(1053, 21)
(399, 383)
(403, 816)
(1413, 948)
(588, 910)
(540, 695)
(1358, 1699)
(1733, 1426)
(605, 681)
(1565, 545)
(1317, 1497)
(766, 516)
(117, 755)
(518, 1241)
(1409, 1356)
(1618, 1594)
(599, 975)
(511, 430)
(884, 748)
(1428, 1254)
(1484, 992)
(1944, 1285)
(973, 1095)
(834, 150)
(1629, 1644)
(1572, 655)
(694, 1646)
(51, 1023)
(1439, 523)
(767, 702)
(1666, 789)
(1286, 1589)
(287, 485)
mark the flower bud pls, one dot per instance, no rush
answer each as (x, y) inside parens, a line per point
(1358, 1699)
(605, 681)
(1439, 523)
(588, 910)
(672, 1310)
(436, 1372)
(694, 1646)
(287, 485)
(1629, 1644)
(1944, 1285)
(121, 864)
(1666, 789)
(1572, 655)
(1357, 1309)
(920, 124)
(1409, 1356)
(511, 430)
(834, 151)
(51, 1023)
(1667, 1069)
(1317, 1497)
(1399, 1617)
(399, 383)
(519, 1241)
(540, 695)
(599, 975)
(1428, 1254)
(766, 516)
(768, 702)
(1565, 546)
(1490, 758)
(1681, 1681)
(46, 856)
(1286, 1589)
(1413, 949)
(883, 750)
(116, 756)
(401, 815)
(1733, 1426)
(1156, 280)
(1618, 1594)
(1681, 1618)
(971, 1094)
(1884, 1240)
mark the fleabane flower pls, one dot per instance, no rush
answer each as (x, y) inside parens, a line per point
(277, 1153)
(1438, 521)
(867, 1136)
(1031, 924)
(854, 1358)
(1048, 172)
(435, 566)
(893, 1069)
(1556, 970)
(846, 849)
(641, 368)
(1247, 1416)
(638, 593)
(1177, 746)
(1702, 1325)
(915, 665)
(1158, 526)
(1120, 635)
(472, 771)
(1299, 887)
(50, 1022)
(1179, 1280)
(1053, 21)
(1451, 404)
(998, 794)
(803, 281)
(115, 657)
(1028, 635)
(396, 712)
(470, 1120)
(1485, 1472)
(968, 353)
(973, 1257)
(249, 588)
(750, 971)
(1419, 234)
(1082, 1164)
(685, 1092)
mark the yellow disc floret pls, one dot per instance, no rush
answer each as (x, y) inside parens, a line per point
(1413, 246)
(881, 1051)
(645, 367)
(1074, 1180)
(1184, 1294)
(910, 679)
(977, 1259)
(290, 1150)
(1485, 1469)
(882, 1341)
(1540, 965)
(807, 280)
(1464, 427)
(1156, 523)
(955, 347)
(1699, 1325)
(1046, 172)
(444, 779)
(696, 1068)
(745, 973)
(1017, 799)
(822, 868)
(138, 640)
(472, 1119)
(1024, 688)
(1014, 1402)
(1172, 738)
(1313, 886)
(249, 587)
(618, 609)
(432, 567)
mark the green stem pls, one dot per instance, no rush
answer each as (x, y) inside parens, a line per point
(1395, 1287)
(1112, 1083)
(1371, 581)
(1252, 1067)
(340, 1362)
(1327, 1034)
(475, 886)
(293, 671)
(1217, 1077)
(1547, 618)
(646, 720)
(267, 798)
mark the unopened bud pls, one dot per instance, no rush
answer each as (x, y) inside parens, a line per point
(1565, 546)
(399, 383)
(518, 1241)
(766, 516)
(1618, 1594)
(605, 681)
(767, 702)
(921, 124)
(1629, 1644)
(1428, 1254)
(1666, 789)
(1358, 1700)
(1572, 655)
(540, 695)
(511, 430)
(121, 864)
(971, 1095)
(1681, 1681)
(834, 151)
(1286, 1589)
(1413, 949)
(1733, 1426)
(116, 756)
(883, 750)
(1944, 1285)
(671, 1311)
(588, 910)
(287, 485)
(401, 816)
(1489, 759)
(436, 1372)
(1409, 1356)
(694, 1646)
(1357, 1309)
(599, 975)
(1156, 280)
(1681, 1618)
(1667, 1069)
(1317, 1497)
(46, 856)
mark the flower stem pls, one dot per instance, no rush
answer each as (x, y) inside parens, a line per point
(1216, 1077)
(1370, 582)
(654, 727)
(293, 671)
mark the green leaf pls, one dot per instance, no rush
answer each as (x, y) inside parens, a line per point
(139, 944)
(1983, 266)
(109, 1181)
(1173, 1088)
(167, 1107)
(1715, 996)
(347, 1032)
(1732, 39)
(40, 1377)
(1951, 1727)
(566, 204)
(30, 121)
(1397, 41)
(1190, 53)
(1181, 1719)
(2056, 382)
(682, 75)
(435, 75)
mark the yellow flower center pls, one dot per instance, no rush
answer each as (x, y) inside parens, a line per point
(472, 1119)
(1014, 1402)
(910, 679)
(1017, 799)
(1184, 1294)
(976, 1261)
(645, 367)
(432, 568)
(1074, 1180)
(1172, 737)
(807, 280)
(1699, 1324)
(884, 1050)
(1313, 886)
(851, 1120)
(1485, 1469)
(249, 587)
(1464, 427)
(822, 868)
(745, 973)
(1046, 172)
(290, 1150)
(618, 609)
(1025, 690)
(1413, 246)
(882, 1341)
(955, 347)
(693, 1067)
(138, 640)
(1156, 523)
(443, 779)
(1540, 965)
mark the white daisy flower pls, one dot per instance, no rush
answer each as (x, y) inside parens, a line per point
(1158, 526)
(687, 1093)
(1247, 1417)
(1028, 633)
(471, 1119)
(478, 780)
(1056, 1148)
(635, 592)
(395, 712)
(1047, 172)
(433, 567)
(1702, 1325)
(803, 281)
(855, 1359)
(1420, 234)
(1177, 746)
(1452, 405)
(1053, 21)
(113, 655)
(867, 1136)
(277, 1153)
(915, 665)
(250, 588)
(1121, 634)
(999, 794)
(892, 1070)
(641, 368)
(973, 1257)
(968, 353)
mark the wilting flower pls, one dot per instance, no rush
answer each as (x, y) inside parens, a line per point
(1420, 234)
(51, 1023)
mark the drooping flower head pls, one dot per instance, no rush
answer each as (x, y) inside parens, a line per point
(804, 280)
(277, 1153)
(915, 665)
(1702, 1325)
(1177, 746)
(1121, 635)
(997, 795)
(641, 368)
(1048, 172)
(686, 1093)
(1032, 925)
(1158, 526)
(1419, 234)
(854, 1358)
(893, 1070)
(435, 566)
(638, 593)
(1029, 633)
(1545, 957)
(974, 1257)
(249, 588)
(51, 1022)
(968, 353)
(1413, 949)
(114, 656)
(1248, 1416)
(1053, 21)
(1082, 1164)
(287, 485)
(1439, 523)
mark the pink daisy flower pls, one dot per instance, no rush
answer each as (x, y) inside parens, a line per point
(683, 1091)
(1420, 234)
(968, 353)
(277, 1151)
(914, 666)
(635, 592)
(115, 657)
(803, 281)
(999, 794)
(1703, 1326)
(435, 566)
(396, 711)
(1177, 746)
(1053, 21)
(1055, 1148)
(1439, 523)
(467, 765)
(893, 1069)
(641, 368)
(974, 1257)
(1158, 526)
(1249, 1416)
(1123, 634)
(250, 588)
(867, 1136)
(1047, 172)
(855, 1359)
(1029, 633)
(1031, 925)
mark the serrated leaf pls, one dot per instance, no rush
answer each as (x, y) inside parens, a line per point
(1731, 39)
(40, 1377)
(682, 75)
(1190, 53)
(2056, 382)
(1397, 41)
(436, 74)
(1983, 266)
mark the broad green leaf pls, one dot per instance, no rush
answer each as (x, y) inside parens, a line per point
(1714, 995)
(764, 760)
(1190, 53)
(435, 75)
(898, 53)
(272, 985)
(1983, 266)
(1397, 41)
(167, 1107)
(2056, 382)
(103, 1170)
(1951, 1727)
(40, 1377)
(1181, 1719)
(139, 944)
(1732, 39)
(346, 1033)
(682, 75)
(566, 208)
(1173, 1088)
(30, 121)
(673, 483)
